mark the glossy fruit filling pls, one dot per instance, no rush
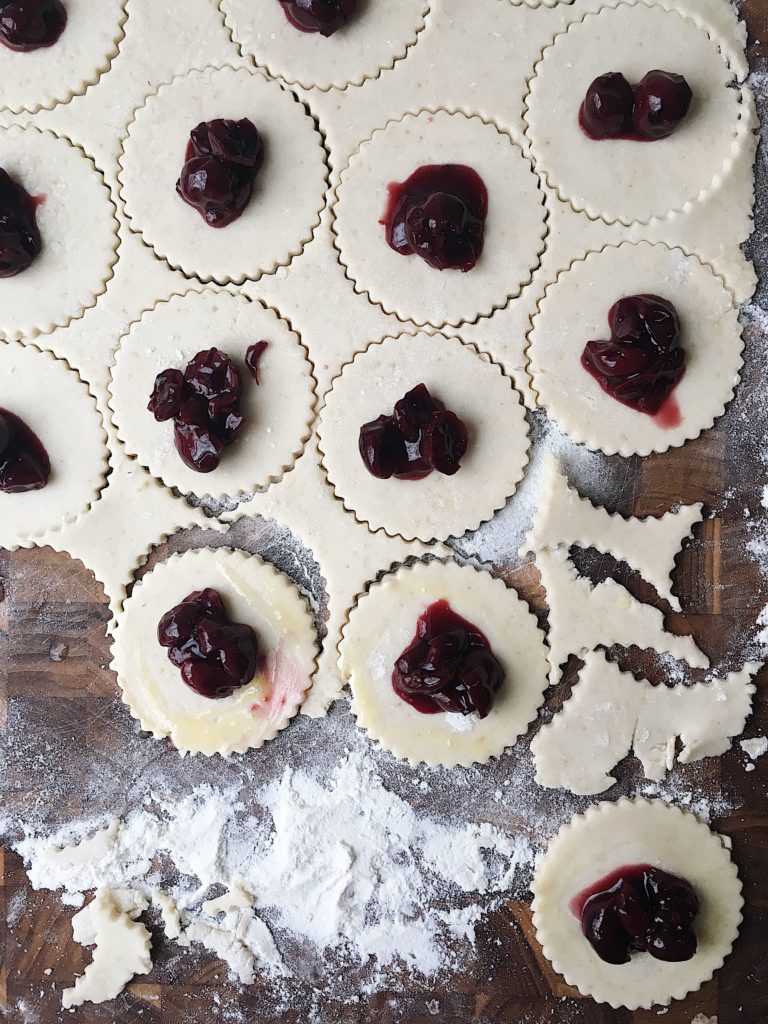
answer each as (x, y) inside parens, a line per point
(642, 362)
(323, 16)
(420, 436)
(253, 358)
(438, 214)
(215, 655)
(221, 162)
(449, 666)
(31, 24)
(639, 908)
(20, 241)
(652, 110)
(24, 462)
(204, 404)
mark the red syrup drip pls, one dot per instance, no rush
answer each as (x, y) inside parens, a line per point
(607, 882)
(669, 416)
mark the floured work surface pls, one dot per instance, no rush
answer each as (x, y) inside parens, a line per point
(72, 752)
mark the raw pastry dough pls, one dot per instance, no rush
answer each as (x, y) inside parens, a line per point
(608, 837)
(377, 37)
(610, 714)
(383, 623)
(468, 384)
(583, 616)
(650, 545)
(279, 411)
(57, 406)
(77, 227)
(254, 593)
(54, 74)
(575, 310)
(622, 180)
(289, 189)
(406, 285)
(122, 946)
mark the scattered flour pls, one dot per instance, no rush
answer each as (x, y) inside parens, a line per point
(756, 747)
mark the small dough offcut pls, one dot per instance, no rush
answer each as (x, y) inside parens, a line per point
(614, 835)
(469, 385)
(253, 593)
(383, 623)
(575, 310)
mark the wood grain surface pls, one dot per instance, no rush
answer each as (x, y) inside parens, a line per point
(73, 742)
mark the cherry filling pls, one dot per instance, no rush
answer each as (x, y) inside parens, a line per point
(323, 16)
(221, 162)
(652, 110)
(31, 24)
(253, 357)
(419, 437)
(639, 909)
(20, 241)
(643, 362)
(449, 666)
(214, 655)
(24, 462)
(439, 214)
(204, 404)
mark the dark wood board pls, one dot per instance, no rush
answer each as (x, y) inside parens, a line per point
(50, 707)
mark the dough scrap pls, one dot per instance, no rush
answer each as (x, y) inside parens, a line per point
(648, 545)
(122, 946)
(611, 714)
(583, 615)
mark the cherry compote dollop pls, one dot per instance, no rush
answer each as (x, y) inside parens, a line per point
(639, 909)
(449, 666)
(253, 358)
(24, 462)
(221, 162)
(323, 16)
(204, 404)
(31, 24)
(438, 214)
(420, 436)
(214, 655)
(643, 362)
(20, 240)
(652, 110)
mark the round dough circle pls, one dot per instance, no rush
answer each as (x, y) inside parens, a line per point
(383, 623)
(575, 310)
(377, 37)
(607, 837)
(279, 411)
(289, 189)
(622, 180)
(407, 286)
(54, 74)
(57, 406)
(468, 384)
(254, 593)
(77, 227)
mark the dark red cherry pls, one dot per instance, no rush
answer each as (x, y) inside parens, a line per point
(31, 24)
(445, 442)
(414, 411)
(221, 161)
(234, 644)
(208, 679)
(382, 447)
(166, 398)
(212, 373)
(24, 462)
(196, 443)
(20, 241)
(603, 929)
(225, 416)
(234, 142)
(645, 318)
(253, 357)
(607, 108)
(323, 16)
(673, 945)
(662, 101)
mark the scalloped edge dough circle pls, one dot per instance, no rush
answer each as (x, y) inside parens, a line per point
(470, 385)
(42, 78)
(253, 592)
(515, 228)
(609, 836)
(380, 35)
(574, 310)
(78, 252)
(57, 405)
(279, 411)
(622, 180)
(382, 624)
(289, 189)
